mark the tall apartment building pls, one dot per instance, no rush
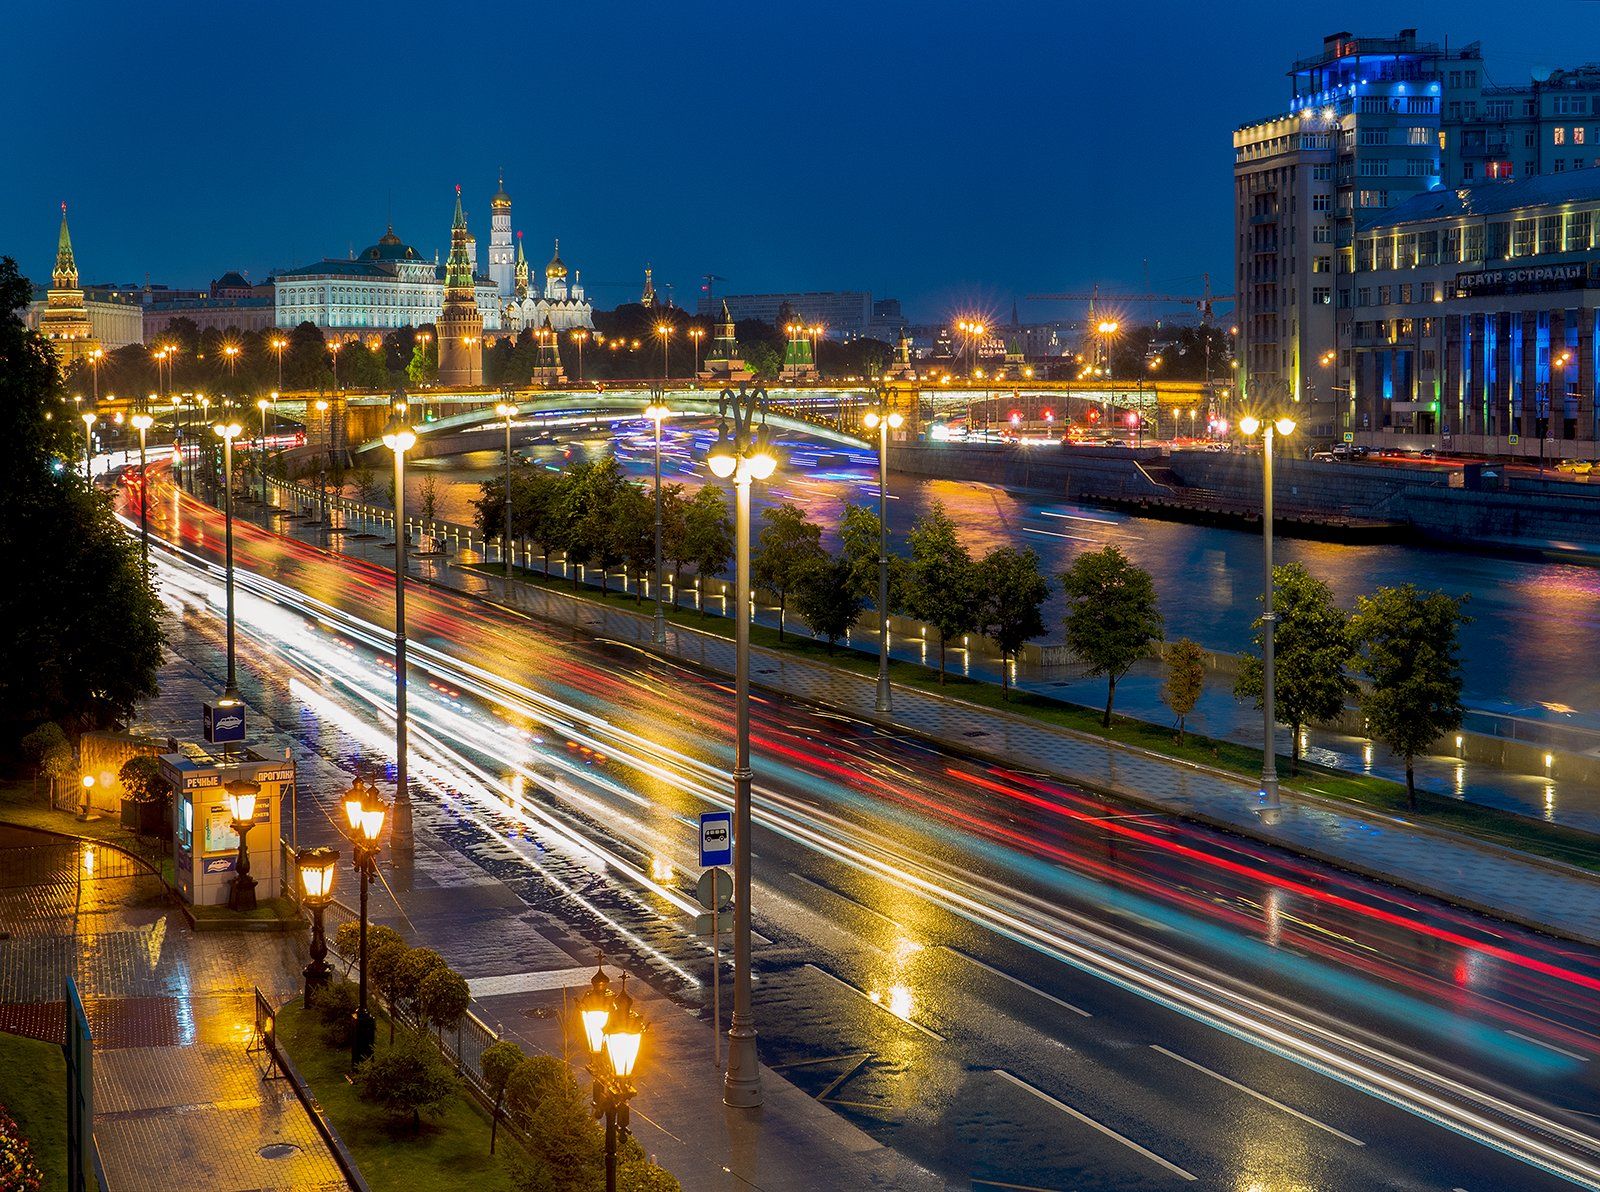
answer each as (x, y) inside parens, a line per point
(1361, 134)
(1546, 126)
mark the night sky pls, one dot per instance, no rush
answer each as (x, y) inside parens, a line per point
(948, 154)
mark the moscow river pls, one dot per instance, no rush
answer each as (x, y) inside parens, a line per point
(1530, 649)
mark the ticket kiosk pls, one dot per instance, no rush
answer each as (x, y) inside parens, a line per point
(205, 848)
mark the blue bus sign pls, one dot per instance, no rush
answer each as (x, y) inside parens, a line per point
(716, 838)
(223, 725)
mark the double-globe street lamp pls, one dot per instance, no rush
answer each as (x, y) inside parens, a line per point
(88, 417)
(882, 419)
(321, 406)
(1267, 427)
(264, 404)
(613, 1032)
(507, 409)
(228, 431)
(242, 795)
(316, 867)
(658, 413)
(142, 422)
(364, 812)
(742, 452)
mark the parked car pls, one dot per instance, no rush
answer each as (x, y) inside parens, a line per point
(1349, 451)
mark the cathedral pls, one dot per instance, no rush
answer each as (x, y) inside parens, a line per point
(559, 304)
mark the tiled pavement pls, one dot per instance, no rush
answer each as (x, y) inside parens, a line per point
(178, 1101)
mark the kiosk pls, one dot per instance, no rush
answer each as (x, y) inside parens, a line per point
(205, 848)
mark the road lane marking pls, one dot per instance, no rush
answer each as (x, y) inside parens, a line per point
(867, 997)
(1259, 1096)
(1571, 1055)
(1089, 1121)
(1012, 1187)
(861, 906)
(1004, 976)
(529, 982)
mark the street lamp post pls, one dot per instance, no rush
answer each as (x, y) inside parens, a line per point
(1249, 425)
(506, 410)
(664, 334)
(142, 422)
(321, 406)
(227, 432)
(333, 350)
(658, 412)
(242, 807)
(278, 345)
(883, 420)
(743, 452)
(88, 417)
(263, 404)
(613, 1032)
(365, 813)
(316, 866)
(696, 334)
(400, 438)
(580, 336)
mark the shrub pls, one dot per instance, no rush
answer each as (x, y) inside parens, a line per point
(336, 1008)
(47, 748)
(528, 1085)
(347, 940)
(408, 1078)
(141, 779)
(443, 998)
(414, 968)
(498, 1061)
(567, 1147)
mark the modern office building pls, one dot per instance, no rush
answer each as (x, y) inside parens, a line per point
(1476, 323)
(844, 314)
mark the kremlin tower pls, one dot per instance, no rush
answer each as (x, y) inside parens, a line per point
(65, 321)
(460, 323)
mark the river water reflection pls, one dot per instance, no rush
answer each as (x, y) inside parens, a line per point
(1533, 644)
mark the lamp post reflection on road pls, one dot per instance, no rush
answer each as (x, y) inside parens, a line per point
(883, 420)
(742, 452)
(1249, 426)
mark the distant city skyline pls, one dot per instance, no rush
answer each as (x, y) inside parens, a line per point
(949, 163)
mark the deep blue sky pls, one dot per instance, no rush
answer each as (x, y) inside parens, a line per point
(945, 153)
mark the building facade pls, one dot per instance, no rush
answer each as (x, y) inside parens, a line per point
(1477, 320)
(560, 305)
(1546, 126)
(63, 319)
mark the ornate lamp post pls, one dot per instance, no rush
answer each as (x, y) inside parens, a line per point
(883, 420)
(507, 410)
(658, 412)
(321, 406)
(242, 807)
(365, 813)
(743, 451)
(400, 438)
(580, 336)
(278, 344)
(613, 1032)
(316, 866)
(1249, 425)
(142, 422)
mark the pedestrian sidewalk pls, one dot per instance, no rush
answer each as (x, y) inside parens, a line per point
(178, 1100)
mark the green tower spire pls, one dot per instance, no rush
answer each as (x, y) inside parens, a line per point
(65, 274)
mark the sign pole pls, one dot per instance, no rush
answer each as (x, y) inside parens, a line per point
(716, 977)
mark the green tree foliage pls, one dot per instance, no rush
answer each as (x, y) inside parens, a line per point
(443, 999)
(415, 967)
(941, 579)
(1012, 591)
(83, 634)
(336, 1008)
(858, 536)
(1409, 643)
(633, 521)
(407, 1079)
(498, 1061)
(384, 962)
(50, 752)
(788, 548)
(765, 361)
(567, 1151)
(361, 368)
(674, 533)
(826, 600)
(347, 940)
(1186, 679)
(635, 1172)
(141, 779)
(428, 506)
(1112, 617)
(707, 535)
(1311, 653)
(592, 497)
(423, 367)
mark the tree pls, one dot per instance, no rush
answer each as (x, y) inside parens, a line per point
(941, 580)
(707, 535)
(764, 360)
(1112, 617)
(83, 638)
(1311, 652)
(1408, 642)
(592, 498)
(423, 367)
(633, 521)
(566, 1144)
(443, 999)
(788, 548)
(674, 533)
(1186, 678)
(347, 940)
(141, 779)
(383, 969)
(498, 1061)
(430, 497)
(408, 1078)
(415, 967)
(366, 484)
(49, 750)
(826, 600)
(1012, 593)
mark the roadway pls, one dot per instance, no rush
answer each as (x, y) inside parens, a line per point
(1050, 991)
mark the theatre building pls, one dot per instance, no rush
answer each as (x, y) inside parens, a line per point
(1471, 323)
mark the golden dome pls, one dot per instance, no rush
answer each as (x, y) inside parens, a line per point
(557, 267)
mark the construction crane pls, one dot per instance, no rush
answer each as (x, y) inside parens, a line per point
(1205, 302)
(708, 283)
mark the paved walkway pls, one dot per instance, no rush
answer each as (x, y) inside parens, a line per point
(178, 1101)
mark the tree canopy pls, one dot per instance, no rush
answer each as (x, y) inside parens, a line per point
(941, 579)
(1112, 617)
